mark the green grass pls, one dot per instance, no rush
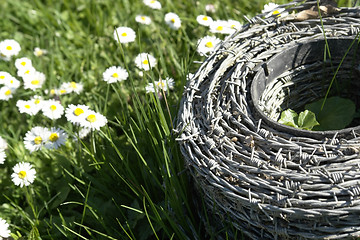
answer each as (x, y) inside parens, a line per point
(128, 180)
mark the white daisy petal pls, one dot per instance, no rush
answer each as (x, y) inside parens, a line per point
(9, 48)
(115, 74)
(143, 19)
(34, 81)
(173, 20)
(221, 26)
(52, 109)
(207, 44)
(4, 229)
(204, 20)
(6, 93)
(154, 4)
(56, 138)
(124, 34)
(23, 62)
(4, 77)
(35, 138)
(39, 52)
(93, 120)
(3, 144)
(27, 106)
(75, 113)
(145, 61)
(24, 174)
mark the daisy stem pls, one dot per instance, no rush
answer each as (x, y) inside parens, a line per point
(106, 99)
(31, 203)
(167, 107)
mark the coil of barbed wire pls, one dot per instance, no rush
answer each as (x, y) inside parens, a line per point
(271, 181)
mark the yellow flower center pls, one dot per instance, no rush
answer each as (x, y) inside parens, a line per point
(2, 77)
(11, 81)
(22, 174)
(8, 48)
(233, 26)
(220, 28)
(8, 92)
(27, 72)
(23, 63)
(38, 140)
(35, 82)
(146, 62)
(115, 75)
(62, 91)
(124, 34)
(205, 18)
(78, 111)
(153, 1)
(27, 106)
(209, 45)
(73, 85)
(172, 20)
(37, 101)
(275, 12)
(53, 107)
(161, 84)
(143, 18)
(52, 91)
(91, 118)
(53, 137)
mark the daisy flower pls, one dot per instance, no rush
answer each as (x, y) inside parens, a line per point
(52, 109)
(204, 20)
(115, 74)
(93, 120)
(23, 62)
(161, 85)
(26, 71)
(207, 44)
(76, 87)
(62, 90)
(35, 138)
(70, 87)
(84, 132)
(172, 20)
(9, 48)
(28, 107)
(3, 144)
(23, 174)
(34, 81)
(2, 156)
(39, 52)
(210, 8)
(220, 26)
(143, 19)
(4, 76)
(273, 9)
(12, 82)
(145, 61)
(233, 24)
(56, 138)
(75, 113)
(152, 4)
(6, 93)
(124, 34)
(52, 92)
(38, 103)
(4, 229)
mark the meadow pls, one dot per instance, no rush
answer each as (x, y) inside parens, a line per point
(89, 93)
